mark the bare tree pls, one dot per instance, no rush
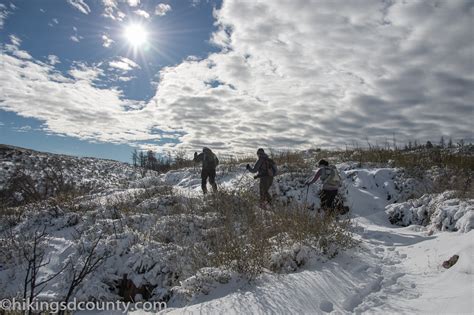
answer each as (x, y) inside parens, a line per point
(142, 159)
(34, 254)
(91, 261)
(151, 162)
(450, 143)
(135, 157)
(442, 143)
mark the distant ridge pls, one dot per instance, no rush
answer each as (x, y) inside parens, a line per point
(5, 148)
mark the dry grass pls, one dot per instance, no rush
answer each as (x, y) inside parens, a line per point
(244, 235)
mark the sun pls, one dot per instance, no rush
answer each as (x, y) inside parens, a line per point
(136, 35)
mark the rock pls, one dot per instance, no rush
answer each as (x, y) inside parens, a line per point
(451, 262)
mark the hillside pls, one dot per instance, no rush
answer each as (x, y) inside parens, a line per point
(154, 237)
(40, 175)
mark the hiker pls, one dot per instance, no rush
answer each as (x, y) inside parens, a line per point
(265, 168)
(209, 163)
(331, 181)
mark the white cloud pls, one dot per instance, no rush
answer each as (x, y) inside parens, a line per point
(15, 40)
(3, 14)
(133, 3)
(110, 3)
(23, 128)
(124, 64)
(327, 73)
(125, 79)
(288, 76)
(14, 48)
(162, 8)
(75, 38)
(53, 22)
(111, 10)
(195, 3)
(22, 54)
(120, 16)
(53, 59)
(72, 107)
(80, 5)
(106, 41)
(142, 13)
(82, 71)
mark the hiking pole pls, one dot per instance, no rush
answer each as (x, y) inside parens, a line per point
(306, 198)
(241, 177)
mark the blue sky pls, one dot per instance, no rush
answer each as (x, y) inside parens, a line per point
(46, 28)
(234, 75)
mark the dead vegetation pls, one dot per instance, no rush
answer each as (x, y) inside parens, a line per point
(242, 237)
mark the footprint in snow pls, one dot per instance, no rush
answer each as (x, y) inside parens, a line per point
(379, 249)
(326, 306)
(390, 262)
(393, 279)
(360, 294)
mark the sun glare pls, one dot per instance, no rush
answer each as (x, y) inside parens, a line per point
(136, 35)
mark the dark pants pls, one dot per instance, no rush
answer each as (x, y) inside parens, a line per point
(211, 174)
(327, 198)
(265, 184)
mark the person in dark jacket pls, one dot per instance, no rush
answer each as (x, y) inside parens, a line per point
(331, 180)
(209, 163)
(261, 168)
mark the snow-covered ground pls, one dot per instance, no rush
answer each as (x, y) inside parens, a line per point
(394, 271)
(395, 268)
(80, 171)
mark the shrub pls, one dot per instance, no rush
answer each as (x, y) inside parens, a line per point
(244, 237)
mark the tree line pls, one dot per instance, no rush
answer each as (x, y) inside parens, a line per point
(150, 160)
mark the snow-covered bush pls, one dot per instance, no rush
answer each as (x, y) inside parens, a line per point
(289, 258)
(437, 211)
(203, 282)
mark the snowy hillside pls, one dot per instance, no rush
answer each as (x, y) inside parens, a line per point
(39, 173)
(155, 238)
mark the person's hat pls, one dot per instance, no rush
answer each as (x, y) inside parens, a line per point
(323, 162)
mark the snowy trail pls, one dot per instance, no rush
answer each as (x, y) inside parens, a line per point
(378, 277)
(393, 270)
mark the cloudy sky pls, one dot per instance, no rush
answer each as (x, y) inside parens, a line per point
(98, 77)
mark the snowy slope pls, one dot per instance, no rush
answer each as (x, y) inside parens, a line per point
(394, 269)
(96, 173)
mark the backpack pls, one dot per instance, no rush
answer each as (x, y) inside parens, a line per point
(331, 176)
(209, 160)
(271, 167)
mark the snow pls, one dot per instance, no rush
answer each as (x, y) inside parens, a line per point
(436, 211)
(395, 268)
(395, 271)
